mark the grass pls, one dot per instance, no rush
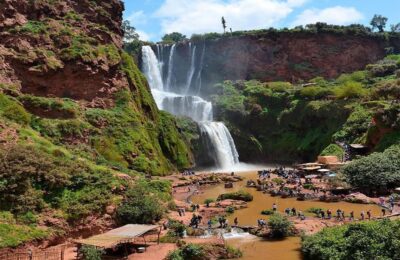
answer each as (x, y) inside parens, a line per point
(12, 235)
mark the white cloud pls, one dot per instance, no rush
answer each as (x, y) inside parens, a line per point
(333, 15)
(144, 36)
(200, 16)
(137, 18)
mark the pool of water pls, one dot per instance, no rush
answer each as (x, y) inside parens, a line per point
(255, 248)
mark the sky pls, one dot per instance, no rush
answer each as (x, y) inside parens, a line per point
(154, 18)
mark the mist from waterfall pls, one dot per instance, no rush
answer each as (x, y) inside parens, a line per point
(178, 101)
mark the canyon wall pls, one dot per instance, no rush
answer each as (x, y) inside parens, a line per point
(282, 56)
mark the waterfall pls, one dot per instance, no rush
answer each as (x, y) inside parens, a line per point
(170, 66)
(217, 137)
(200, 69)
(221, 139)
(192, 67)
(152, 69)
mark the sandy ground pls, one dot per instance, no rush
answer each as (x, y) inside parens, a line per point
(154, 252)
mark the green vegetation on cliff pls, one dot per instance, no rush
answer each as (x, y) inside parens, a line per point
(281, 121)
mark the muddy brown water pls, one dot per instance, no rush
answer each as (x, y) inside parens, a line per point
(256, 248)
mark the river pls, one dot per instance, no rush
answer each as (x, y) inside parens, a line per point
(255, 248)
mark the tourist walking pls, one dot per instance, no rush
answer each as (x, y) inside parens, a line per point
(329, 213)
(236, 222)
(352, 215)
(274, 207)
(362, 215)
(383, 212)
(369, 214)
(294, 211)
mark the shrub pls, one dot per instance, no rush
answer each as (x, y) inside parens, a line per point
(280, 226)
(364, 240)
(383, 68)
(91, 252)
(350, 90)
(315, 92)
(376, 172)
(189, 251)
(25, 174)
(142, 205)
(208, 201)
(280, 86)
(17, 113)
(278, 181)
(333, 150)
(230, 210)
(308, 186)
(267, 212)
(356, 126)
(239, 195)
(315, 211)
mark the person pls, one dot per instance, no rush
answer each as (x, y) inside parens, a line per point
(362, 215)
(342, 216)
(338, 214)
(199, 219)
(329, 213)
(322, 214)
(198, 207)
(287, 211)
(209, 223)
(236, 222)
(369, 214)
(180, 212)
(383, 212)
(352, 215)
(274, 207)
(294, 211)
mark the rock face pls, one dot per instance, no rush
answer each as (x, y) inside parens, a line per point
(291, 56)
(54, 52)
(63, 48)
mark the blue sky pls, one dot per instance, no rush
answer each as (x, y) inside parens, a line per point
(154, 18)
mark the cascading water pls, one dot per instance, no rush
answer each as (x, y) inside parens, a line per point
(217, 137)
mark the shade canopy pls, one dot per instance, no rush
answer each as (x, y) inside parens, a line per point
(117, 236)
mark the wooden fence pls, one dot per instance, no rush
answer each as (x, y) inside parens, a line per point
(56, 253)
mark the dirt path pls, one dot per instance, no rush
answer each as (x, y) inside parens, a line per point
(154, 252)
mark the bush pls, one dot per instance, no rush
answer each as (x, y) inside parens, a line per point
(376, 172)
(383, 68)
(278, 181)
(333, 150)
(315, 92)
(15, 235)
(18, 114)
(91, 253)
(364, 240)
(267, 212)
(239, 195)
(189, 251)
(308, 186)
(315, 211)
(25, 174)
(230, 210)
(350, 90)
(280, 226)
(144, 203)
(208, 201)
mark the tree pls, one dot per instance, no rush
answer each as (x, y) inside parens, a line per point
(379, 22)
(280, 226)
(365, 240)
(395, 27)
(376, 172)
(130, 33)
(174, 37)
(141, 206)
(223, 23)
